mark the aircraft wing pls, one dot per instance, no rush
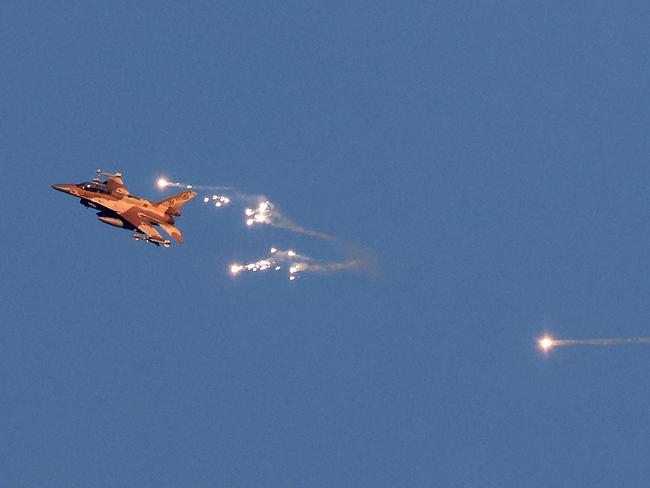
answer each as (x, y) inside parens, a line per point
(133, 217)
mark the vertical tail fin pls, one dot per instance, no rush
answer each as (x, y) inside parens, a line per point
(174, 203)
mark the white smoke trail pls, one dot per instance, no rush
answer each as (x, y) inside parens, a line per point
(165, 183)
(267, 213)
(600, 342)
(294, 263)
(547, 342)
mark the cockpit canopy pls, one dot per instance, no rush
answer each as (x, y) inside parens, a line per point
(94, 186)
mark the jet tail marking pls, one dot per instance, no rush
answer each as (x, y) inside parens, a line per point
(177, 201)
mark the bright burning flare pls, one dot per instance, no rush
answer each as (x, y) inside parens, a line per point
(546, 343)
(162, 183)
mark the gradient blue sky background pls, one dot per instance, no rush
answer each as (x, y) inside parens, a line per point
(493, 159)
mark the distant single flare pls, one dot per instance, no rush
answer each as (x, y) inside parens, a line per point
(546, 343)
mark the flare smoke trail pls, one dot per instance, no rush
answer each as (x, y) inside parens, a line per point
(165, 183)
(265, 212)
(547, 343)
(295, 263)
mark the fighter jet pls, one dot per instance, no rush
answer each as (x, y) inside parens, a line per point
(117, 207)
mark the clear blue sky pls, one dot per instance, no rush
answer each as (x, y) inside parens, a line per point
(494, 159)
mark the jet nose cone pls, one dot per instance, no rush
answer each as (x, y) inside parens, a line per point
(62, 187)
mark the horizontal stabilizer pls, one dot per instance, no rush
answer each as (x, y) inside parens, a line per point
(173, 232)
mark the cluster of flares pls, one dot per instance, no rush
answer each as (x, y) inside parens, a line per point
(275, 261)
(264, 213)
(267, 213)
(261, 215)
(259, 210)
(294, 263)
(217, 200)
(546, 343)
